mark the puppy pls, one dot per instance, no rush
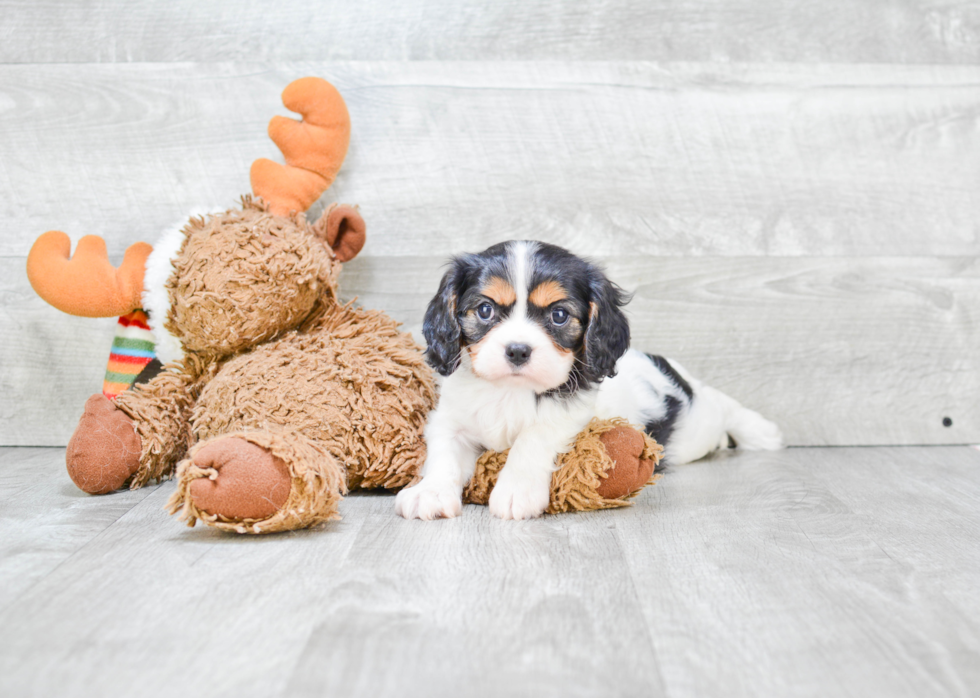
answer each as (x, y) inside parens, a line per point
(533, 344)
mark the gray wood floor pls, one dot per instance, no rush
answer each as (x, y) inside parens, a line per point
(805, 572)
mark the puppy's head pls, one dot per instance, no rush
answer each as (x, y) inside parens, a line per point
(527, 313)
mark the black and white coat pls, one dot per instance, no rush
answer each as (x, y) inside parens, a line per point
(532, 343)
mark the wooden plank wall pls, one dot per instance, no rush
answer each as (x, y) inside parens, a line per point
(792, 189)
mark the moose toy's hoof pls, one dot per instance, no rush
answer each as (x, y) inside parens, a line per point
(631, 471)
(104, 451)
(251, 482)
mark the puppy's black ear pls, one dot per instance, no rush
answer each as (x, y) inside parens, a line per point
(440, 326)
(607, 336)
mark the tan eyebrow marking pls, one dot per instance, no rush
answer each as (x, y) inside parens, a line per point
(546, 293)
(500, 292)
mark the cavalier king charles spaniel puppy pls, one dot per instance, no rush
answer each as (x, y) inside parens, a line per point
(533, 343)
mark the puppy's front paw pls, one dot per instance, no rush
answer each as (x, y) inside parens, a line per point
(520, 497)
(429, 500)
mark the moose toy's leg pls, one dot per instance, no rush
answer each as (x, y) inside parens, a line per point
(609, 462)
(258, 482)
(138, 438)
(249, 482)
(104, 451)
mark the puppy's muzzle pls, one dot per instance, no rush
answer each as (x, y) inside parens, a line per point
(518, 354)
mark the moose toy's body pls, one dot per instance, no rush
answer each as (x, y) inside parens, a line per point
(284, 397)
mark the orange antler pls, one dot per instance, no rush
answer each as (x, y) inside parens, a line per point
(314, 148)
(87, 284)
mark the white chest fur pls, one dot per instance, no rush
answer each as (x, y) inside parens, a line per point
(491, 415)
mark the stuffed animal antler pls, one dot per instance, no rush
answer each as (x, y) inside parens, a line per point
(87, 284)
(314, 148)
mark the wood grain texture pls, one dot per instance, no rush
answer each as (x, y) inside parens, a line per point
(524, 611)
(49, 363)
(835, 31)
(45, 519)
(803, 572)
(607, 158)
(771, 578)
(837, 351)
(936, 543)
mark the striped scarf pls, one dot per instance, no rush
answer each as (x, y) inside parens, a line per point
(132, 349)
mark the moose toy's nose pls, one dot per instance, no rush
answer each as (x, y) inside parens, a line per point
(518, 354)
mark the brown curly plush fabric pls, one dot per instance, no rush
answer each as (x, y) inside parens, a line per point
(351, 393)
(580, 473)
(335, 392)
(318, 483)
(292, 396)
(245, 276)
(160, 410)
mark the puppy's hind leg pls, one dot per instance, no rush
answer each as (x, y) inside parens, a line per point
(710, 419)
(750, 430)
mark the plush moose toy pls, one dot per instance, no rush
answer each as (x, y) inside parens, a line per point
(275, 398)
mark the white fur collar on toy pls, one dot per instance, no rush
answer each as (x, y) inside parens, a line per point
(156, 300)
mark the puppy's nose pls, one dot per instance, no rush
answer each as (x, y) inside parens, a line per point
(518, 354)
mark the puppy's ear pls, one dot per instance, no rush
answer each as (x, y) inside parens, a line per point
(607, 336)
(440, 326)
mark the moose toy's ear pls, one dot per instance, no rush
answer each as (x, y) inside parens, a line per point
(343, 229)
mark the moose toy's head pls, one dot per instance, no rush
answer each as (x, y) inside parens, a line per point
(226, 281)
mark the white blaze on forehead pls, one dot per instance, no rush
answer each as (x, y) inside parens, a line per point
(520, 260)
(548, 366)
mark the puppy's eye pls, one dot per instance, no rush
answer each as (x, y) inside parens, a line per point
(559, 316)
(485, 311)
